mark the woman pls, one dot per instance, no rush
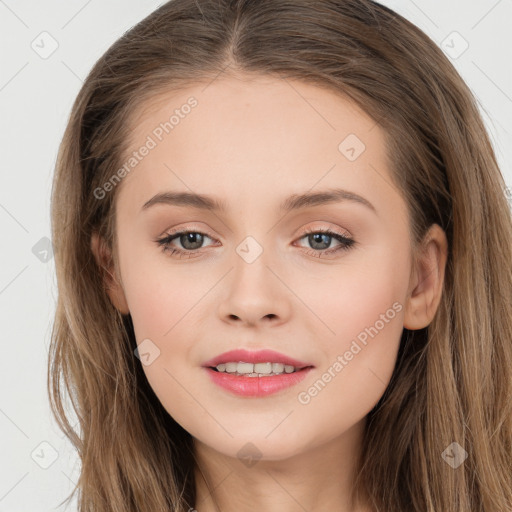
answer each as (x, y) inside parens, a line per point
(309, 184)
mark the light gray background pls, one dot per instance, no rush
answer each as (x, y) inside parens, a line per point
(36, 94)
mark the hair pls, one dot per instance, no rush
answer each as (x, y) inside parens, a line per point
(452, 381)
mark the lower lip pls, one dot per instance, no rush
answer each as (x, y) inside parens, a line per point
(257, 386)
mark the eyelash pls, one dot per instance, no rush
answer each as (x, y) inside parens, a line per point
(346, 243)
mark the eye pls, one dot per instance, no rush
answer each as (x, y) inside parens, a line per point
(320, 240)
(191, 242)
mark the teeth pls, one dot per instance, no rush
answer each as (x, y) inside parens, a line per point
(256, 369)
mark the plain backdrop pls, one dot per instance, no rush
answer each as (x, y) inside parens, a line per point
(47, 49)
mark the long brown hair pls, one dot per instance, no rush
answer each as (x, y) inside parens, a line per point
(453, 379)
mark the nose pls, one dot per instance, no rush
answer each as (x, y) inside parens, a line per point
(254, 294)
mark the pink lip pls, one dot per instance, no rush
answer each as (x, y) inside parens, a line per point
(259, 356)
(257, 386)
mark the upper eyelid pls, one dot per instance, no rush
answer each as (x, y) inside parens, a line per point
(169, 233)
(307, 230)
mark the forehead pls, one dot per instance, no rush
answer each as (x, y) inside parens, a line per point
(246, 136)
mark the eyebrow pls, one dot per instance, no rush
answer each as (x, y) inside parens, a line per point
(294, 202)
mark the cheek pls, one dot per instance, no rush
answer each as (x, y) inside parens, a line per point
(164, 301)
(364, 312)
(349, 298)
(160, 293)
(368, 306)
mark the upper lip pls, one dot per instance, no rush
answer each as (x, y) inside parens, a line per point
(259, 356)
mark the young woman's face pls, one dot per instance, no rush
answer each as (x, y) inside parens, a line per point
(259, 274)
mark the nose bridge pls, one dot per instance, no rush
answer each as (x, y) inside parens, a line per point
(253, 291)
(251, 261)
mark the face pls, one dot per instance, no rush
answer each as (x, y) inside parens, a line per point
(325, 281)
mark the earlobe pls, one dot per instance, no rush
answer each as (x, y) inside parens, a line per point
(427, 280)
(110, 281)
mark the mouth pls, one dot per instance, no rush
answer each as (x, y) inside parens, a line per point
(256, 373)
(265, 369)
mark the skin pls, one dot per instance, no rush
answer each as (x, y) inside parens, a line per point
(252, 143)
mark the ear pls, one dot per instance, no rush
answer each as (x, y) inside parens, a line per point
(427, 279)
(111, 282)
